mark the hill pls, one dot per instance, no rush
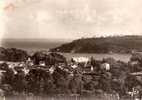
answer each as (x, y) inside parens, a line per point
(118, 44)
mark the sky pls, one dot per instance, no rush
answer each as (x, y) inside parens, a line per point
(69, 19)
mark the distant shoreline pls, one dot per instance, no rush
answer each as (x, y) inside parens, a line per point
(120, 44)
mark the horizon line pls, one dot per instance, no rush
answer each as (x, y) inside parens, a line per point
(70, 38)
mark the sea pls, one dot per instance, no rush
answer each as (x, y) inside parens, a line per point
(33, 45)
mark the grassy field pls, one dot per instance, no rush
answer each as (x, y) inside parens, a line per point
(66, 97)
(61, 98)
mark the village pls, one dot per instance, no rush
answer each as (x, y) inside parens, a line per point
(51, 75)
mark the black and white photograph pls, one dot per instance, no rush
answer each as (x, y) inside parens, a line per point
(70, 49)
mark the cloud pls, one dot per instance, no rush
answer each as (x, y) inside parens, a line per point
(72, 18)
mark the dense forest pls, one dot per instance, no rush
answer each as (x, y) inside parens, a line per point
(12, 54)
(117, 44)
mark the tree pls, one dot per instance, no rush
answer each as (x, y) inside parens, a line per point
(16, 55)
(54, 58)
(38, 56)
